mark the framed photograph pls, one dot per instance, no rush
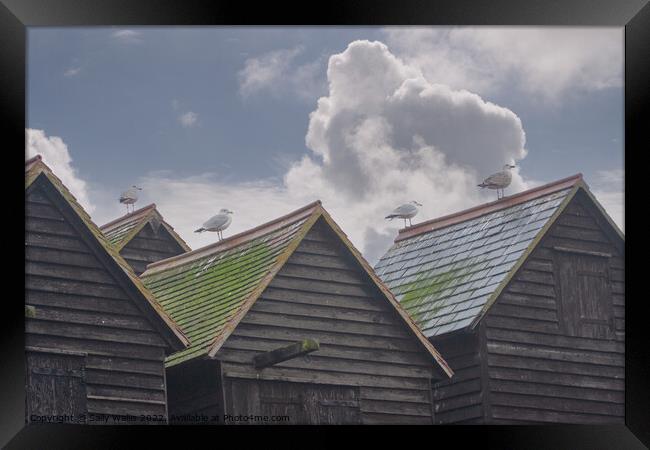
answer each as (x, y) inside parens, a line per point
(332, 219)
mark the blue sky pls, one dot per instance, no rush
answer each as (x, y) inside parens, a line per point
(211, 117)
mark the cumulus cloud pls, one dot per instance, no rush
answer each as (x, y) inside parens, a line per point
(382, 136)
(188, 119)
(127, 36)
(56, 155)
(278, 72)
(545, 62)
(386, 135)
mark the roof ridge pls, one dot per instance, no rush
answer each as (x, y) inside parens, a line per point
(78, 211)
(33, 159)
(127, 216)
(486, 208)
(234, 240)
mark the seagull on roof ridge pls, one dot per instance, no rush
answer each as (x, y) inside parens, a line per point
(499, 180)
(217, 223)
(405, 211)
(129, 197)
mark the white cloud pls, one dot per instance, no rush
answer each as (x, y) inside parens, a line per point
(188, 119)
(609, 190)
(382, 136)
(127, 36)
(545, 62)
(56, 155)
(278, 73)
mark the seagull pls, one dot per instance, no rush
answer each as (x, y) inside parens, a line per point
(217, 223)
(499, 180)
(405, 211)
(129, 197)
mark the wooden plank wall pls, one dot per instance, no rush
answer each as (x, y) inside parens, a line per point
(459, 399)
(79, 307)
(149, 246)
(537, 373)
(321, 294)
(195, 388)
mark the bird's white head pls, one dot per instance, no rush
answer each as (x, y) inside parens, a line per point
(416, 203)
(225, 211)
(509, 166)
(136, 187)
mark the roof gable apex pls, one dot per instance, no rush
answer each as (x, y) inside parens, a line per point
(579, 188)
(115, 229)
(38, 174)
(524, 256)
(211, 288)
(321, 213)
(446, 276)
(388, 295)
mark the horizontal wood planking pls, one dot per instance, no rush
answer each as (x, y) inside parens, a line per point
(328, 349)
(322, 336)
(334, 363)
(93, 318)
(125, 392)
(536, 372)
(319, 376)
(146, 247)
(557, 391)
(95, 347)
(320, 294)
(537, 415)
(80, 307)
(83, 303)
(124, 407)
(459, 398)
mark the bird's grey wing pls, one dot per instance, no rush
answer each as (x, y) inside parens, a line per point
(406, 208)
(130, 194)
(497, 179)
(216, 221)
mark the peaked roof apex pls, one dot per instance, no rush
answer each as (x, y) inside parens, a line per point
(234, 240)
(130, 215)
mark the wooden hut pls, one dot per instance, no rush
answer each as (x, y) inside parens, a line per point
(289, 324)
(143, 237)
(524, 297)
(95, 337)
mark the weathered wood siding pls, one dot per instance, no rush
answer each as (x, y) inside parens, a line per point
(148, 246)
(81, 308)
(195, 393)
(321, 294)
(459, 399)
(541, 365)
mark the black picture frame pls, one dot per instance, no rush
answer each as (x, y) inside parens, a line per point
(634, 15)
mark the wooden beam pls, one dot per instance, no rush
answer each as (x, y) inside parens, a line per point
(284, 353)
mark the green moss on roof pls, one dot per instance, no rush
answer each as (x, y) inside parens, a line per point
(121, 231)
(444, 277)
(203, 295)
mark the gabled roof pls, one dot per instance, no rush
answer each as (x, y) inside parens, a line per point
(447, 272)
(35, 170)
(121, 230)
(209, 290)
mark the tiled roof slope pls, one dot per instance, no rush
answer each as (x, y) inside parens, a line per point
(35, 167)
(448, 271)
(121, 230)
(209, 290)
(203, 290)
